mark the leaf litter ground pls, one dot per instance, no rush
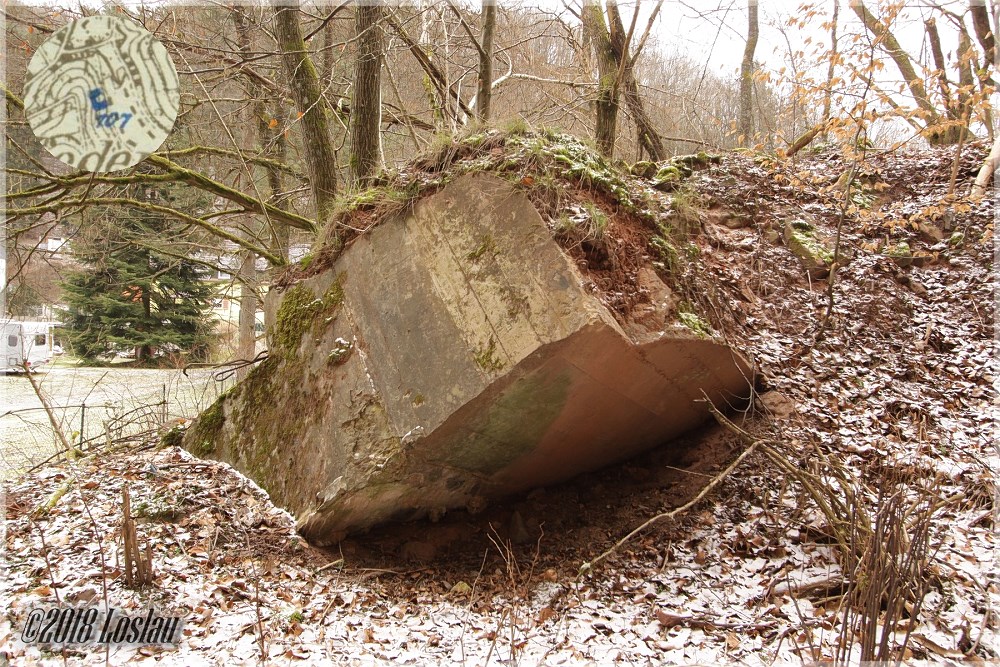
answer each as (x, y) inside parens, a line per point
(903, 378)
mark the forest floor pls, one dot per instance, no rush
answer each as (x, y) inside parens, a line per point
(886, 411)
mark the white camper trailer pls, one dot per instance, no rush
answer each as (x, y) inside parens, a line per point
(30, 342)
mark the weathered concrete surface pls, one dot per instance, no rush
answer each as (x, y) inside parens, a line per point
(452, 356)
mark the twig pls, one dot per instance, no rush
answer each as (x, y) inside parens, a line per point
(587, 567)
(958, 149)
(261, 637)
(53, 500)
(100, 548)
(56, 428)
(138, 565)
(48, 563)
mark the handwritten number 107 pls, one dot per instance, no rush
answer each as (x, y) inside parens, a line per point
(109, 118)
(112, 119)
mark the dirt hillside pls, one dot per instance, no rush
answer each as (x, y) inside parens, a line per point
(871, 320)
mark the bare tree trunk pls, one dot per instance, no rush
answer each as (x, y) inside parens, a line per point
(648, 137)
(915, 83)
(247, 274)
(327, 54)
(275, 147)
(606, 106)
(484, 96)
(831, 69)
(930, 27)
(984, 71)
(747, 69)
(966, 81)
(366, 111)
(321, 159)
(981, 24)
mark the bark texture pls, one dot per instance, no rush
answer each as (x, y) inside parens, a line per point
(747, 69)
(303, 80)
(484, 96)
(366, 111)
(606, 105)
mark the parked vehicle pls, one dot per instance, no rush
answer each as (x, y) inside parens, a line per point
(21, 342)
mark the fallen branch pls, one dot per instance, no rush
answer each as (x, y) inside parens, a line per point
(986, 171)
(587, 567)
(703, 621)
(816, 585)
(56, 428)
(805, 139)
(53, 500)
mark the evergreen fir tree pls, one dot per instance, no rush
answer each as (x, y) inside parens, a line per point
(128, 296)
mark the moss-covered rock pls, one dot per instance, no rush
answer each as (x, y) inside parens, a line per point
(458, 351)
(696, 324)
(300, 312)
(900, 253)
(699, 160)
(815, 257)
(644, 169)
(201, 438)
(667, 178)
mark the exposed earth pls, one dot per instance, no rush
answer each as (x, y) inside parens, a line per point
(895, 390)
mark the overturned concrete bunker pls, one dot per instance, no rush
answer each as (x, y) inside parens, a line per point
(452, 355)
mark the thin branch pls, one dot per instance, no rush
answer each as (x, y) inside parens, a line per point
(152, 208)
(587, 567)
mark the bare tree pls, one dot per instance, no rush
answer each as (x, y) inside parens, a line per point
(648, 137)
(484, 50)
(606, 106)
(937, 132)
(747, 69)
(321, 160)
(366, 111)
(484, 96)
(831, 67)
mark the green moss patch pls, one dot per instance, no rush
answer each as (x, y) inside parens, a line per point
(512, 426)
(486, 357)
(695, 324)
(301, 311)
(202, 437)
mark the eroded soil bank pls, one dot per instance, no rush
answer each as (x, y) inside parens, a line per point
(898, 387)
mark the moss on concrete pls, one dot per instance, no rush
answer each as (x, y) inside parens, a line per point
(205, 432)
(513, 425)
(486, 357)
(266, 423)
(486, 245)
(300, 311)
(172, 438)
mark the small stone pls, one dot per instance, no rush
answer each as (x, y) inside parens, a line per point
(461, 588)
(930, 233)
(776, 404)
